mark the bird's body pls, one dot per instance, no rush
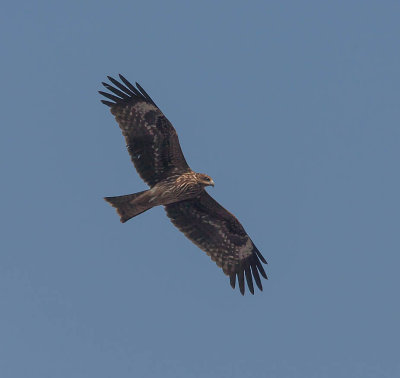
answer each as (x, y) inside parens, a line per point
(155, 151)
(175, 188)
(181, 187)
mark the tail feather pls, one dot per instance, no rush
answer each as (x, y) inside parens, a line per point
(127, 207)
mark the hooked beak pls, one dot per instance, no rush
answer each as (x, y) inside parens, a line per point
(211, 183)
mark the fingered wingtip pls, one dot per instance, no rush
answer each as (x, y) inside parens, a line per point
(125, 91)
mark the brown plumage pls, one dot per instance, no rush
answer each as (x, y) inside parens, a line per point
(154, 148)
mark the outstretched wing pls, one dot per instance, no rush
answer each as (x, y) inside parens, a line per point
(216, 231)
(151, 139)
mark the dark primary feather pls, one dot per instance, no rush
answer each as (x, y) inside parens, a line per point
(151, 139)
(216, 231)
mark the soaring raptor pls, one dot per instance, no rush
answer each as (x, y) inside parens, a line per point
(154, 148)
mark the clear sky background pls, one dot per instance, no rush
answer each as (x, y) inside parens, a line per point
(292, 107)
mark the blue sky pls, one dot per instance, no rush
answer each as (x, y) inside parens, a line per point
(293, 109)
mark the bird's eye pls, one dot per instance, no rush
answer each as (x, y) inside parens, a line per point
(206, 179)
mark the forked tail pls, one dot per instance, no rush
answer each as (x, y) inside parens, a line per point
(129, 206)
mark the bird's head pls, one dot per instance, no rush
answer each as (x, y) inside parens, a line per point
(204, 179)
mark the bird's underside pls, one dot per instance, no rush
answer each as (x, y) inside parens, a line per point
(155, 151)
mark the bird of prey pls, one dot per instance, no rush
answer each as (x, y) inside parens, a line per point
(153, 145)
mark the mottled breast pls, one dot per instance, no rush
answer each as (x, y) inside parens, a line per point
(179, 188)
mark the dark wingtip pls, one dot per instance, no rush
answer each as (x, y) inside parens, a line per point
(144, 93)
(125, 91)
(261, 269)
(110, 96)
(122, 77)
(108, 103)
(249, 278)
(257, 257)
(256, 275)
(232, 278)
(241, 280)
(260, 256)
(248, 272)
(252, 269)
